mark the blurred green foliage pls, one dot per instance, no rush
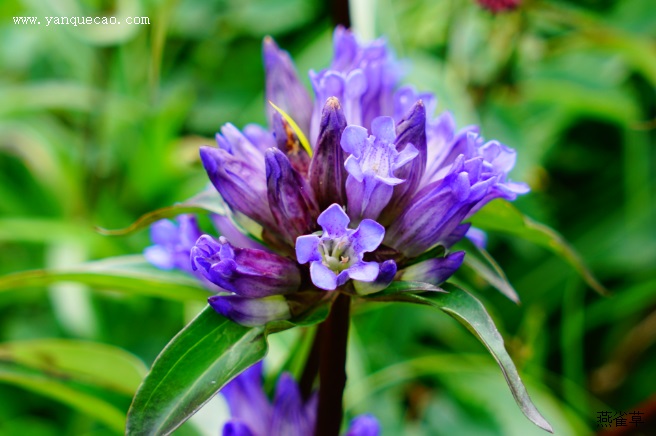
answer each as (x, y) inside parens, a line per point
(99, 125)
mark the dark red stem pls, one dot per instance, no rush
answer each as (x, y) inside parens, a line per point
(332, 367)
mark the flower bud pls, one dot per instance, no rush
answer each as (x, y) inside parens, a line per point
(251, 311)
(327, 175)
(246, 272)
(290, 197)
(434, 271)
(241, 183)
(283, 87)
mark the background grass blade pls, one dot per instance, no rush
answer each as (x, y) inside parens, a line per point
(129, 274)
(207, 201)
(76, 397)
(88, 362)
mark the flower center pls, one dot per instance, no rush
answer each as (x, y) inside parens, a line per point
(337, 254)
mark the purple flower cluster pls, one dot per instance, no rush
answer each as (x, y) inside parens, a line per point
(381, 182)
(290, 415)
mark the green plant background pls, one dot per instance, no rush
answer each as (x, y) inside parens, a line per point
(99, 125)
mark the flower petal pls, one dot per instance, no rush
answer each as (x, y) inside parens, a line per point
(322, 277)
(383, 129)
(334, 221)
(354, 140)
(385, 276)
(367, 236)
(307, 249)
(364, 271)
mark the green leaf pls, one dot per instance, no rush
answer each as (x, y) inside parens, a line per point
(209, 352)
(208, 201)
(88, 362)
(129, 274)
(75, 397)
(502, 216)
(467, 310)
(484, 265)
(407, 286)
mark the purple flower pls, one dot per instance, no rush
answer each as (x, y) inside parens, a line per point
(371, 167)
(361, 76)
(173, 243)
(246, 272)
(336, 255)
(283, 86)
(247, 401)
(380, 161)
(364, 425)
(289, 415)
(437, 209)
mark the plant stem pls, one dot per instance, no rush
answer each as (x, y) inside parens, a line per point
(340, 12)
(332, 367)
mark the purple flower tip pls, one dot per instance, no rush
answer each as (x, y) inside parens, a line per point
(236, 428)
(364, 425)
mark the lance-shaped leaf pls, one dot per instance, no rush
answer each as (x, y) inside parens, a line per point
(209, 352)
(208, 201)
(502, 216)
(129, 274)
(470, 312)
(483, 264)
